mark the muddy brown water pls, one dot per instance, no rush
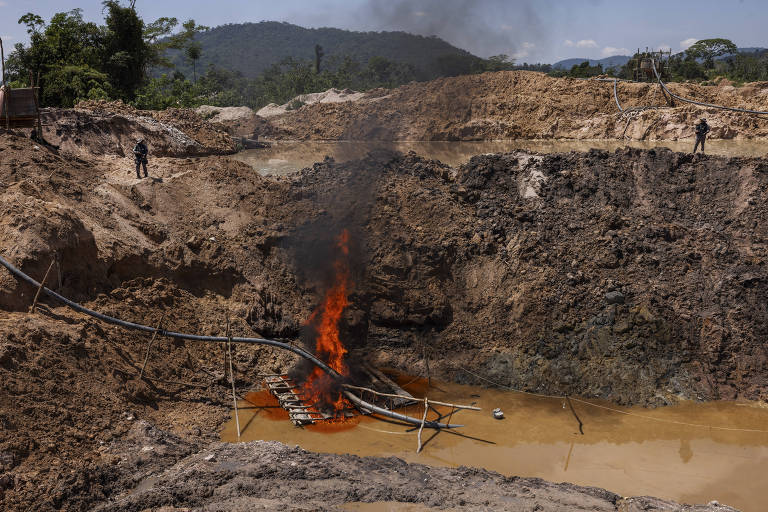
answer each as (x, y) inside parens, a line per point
(645, 452)
(286, 157)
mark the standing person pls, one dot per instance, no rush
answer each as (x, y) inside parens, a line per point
(140, 154)
(702, 129)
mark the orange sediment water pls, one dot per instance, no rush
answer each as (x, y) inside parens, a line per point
(648, 454)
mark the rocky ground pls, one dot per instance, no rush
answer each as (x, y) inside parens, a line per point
(635, 276)
(525, 105)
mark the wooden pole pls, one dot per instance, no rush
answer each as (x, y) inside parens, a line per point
(42, 285)
(426, 364)
(232, 376)
(423, 420)
(434, 402)
(149, 346)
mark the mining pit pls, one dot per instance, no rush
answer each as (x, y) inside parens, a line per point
(627, 285)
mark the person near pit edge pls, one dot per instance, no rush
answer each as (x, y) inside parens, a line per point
(140, 151)
(702, 129)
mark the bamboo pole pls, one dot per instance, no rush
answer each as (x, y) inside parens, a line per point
(40, 288)
(149, 346)
(433, 402)
(232, 376)
(423, 420)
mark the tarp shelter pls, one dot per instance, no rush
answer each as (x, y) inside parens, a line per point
(18, 107)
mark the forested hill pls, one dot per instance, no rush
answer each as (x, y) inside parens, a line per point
(252, 47)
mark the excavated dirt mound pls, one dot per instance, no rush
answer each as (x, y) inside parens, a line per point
(636, 276)
(527, 105)
(111, 128)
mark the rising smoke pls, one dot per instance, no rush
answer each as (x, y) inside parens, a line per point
(483, 27)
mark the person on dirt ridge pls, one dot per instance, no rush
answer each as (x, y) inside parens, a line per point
(702, 129)
(140, 154)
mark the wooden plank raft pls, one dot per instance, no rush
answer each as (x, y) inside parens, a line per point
(292, 399)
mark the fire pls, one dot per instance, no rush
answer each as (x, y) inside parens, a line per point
(325, 321)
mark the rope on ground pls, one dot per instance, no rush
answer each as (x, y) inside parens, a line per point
(612, 409)
(700, 103)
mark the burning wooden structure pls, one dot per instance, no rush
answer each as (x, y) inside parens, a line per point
(303, 409)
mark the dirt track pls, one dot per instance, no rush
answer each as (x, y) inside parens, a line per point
(636, 276)
(525, 105)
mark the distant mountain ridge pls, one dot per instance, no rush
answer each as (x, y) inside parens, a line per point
(251, 48)
(608, 62)
(620, 60)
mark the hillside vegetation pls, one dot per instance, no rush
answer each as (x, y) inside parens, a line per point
(251, 48)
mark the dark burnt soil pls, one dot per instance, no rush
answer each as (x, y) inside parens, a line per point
(267, 475)
(636, 276)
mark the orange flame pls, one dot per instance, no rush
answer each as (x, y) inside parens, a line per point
(325, 320)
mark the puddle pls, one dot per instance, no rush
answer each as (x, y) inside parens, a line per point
(286, 157)
(538, 437)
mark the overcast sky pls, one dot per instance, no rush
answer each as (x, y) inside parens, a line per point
(528, 30)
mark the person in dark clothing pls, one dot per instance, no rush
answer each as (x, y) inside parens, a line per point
(702, 129)
(140, 154)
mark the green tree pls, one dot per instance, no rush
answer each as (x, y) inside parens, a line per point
(67, 40)
(67, 85)
(708, 49)
(126, 55)
(194, 52)
(499, 63)
(318, 57)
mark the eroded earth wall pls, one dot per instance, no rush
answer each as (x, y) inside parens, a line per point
(634, 276)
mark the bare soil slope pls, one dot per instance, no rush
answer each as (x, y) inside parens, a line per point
(525, 104)
(636, 276)
(96, 128)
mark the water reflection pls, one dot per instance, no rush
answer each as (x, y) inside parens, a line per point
(286, 157)
(685, 451)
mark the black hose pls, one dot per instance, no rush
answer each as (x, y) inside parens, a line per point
(616, 96)
(712, 105)
(220, 339)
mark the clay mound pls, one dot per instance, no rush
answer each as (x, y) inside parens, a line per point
(524, 104)
(111, 128)
(237, 121)
(332, 95)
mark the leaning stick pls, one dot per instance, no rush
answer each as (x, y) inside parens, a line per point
(423, 420)
(40, 288)
(232, 376)
(410, 398)
(149, 346)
